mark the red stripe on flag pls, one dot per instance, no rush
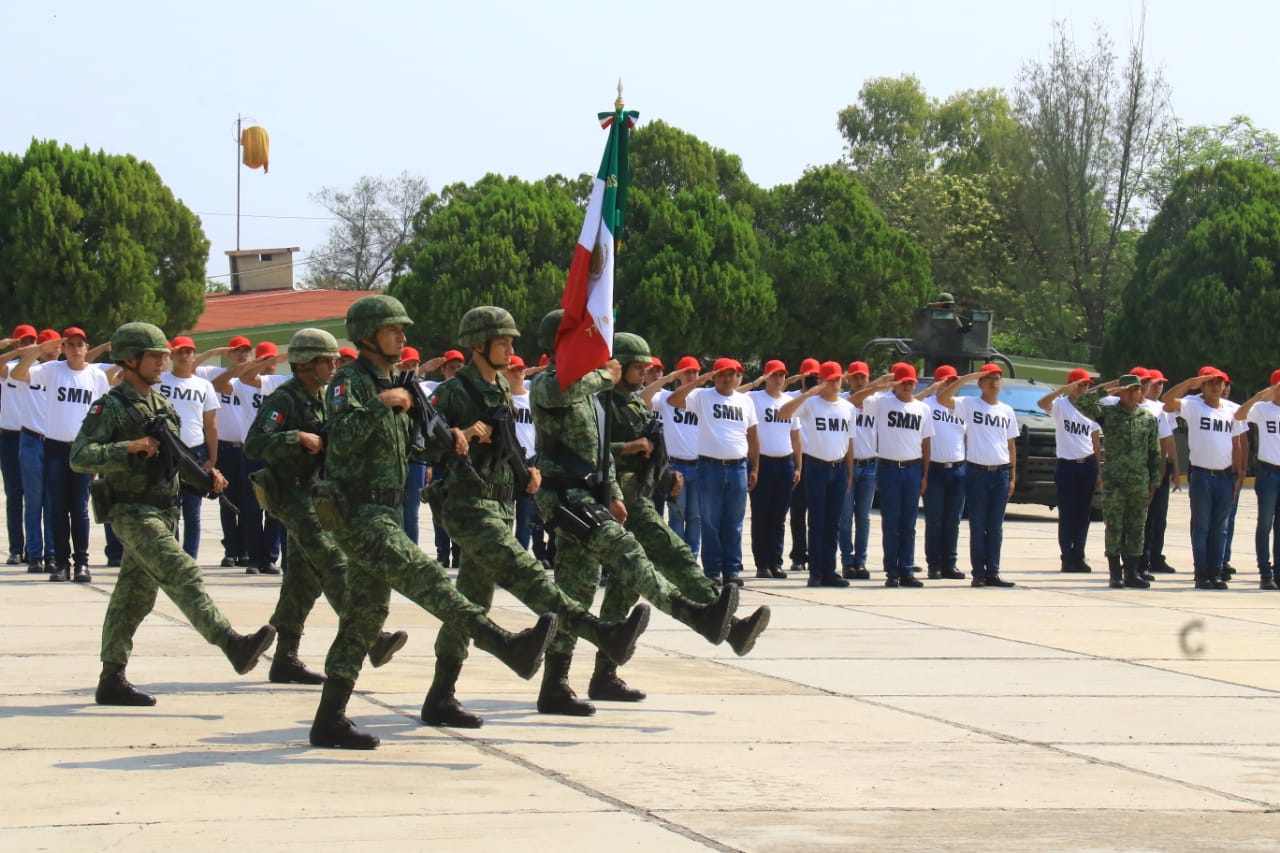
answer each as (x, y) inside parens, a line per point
(580, 348)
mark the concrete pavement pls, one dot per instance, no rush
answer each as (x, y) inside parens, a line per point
(1059, 714)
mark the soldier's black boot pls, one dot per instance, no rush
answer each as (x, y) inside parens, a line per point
(521, 652)
(1117, 572)
(1144, 567)
(441, 707)
(744, 632)
(556, 696)
(1131, 579)
(1266, 579)
(385, 647)
(115, 689)
(286, 668)
(617, 639)
(244, 650)
(712, 620)
(331, 727)
(606, 686)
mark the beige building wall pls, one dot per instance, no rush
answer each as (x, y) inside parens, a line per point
(261, 269)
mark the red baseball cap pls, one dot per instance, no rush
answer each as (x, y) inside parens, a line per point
(903, 372)
(809, 366)
(74, 332)
(657, 362)
(239, 342)
(266, 348)
(348, 352)
(1156, 376)
(1140, 372)
(409, 354)
(944, 371)
(47, 335)
(1275, 377)
(515, 363)
(774, 366)
(723, 364)
(23, 331)
(182, 342)
(1080, 373)
(688, 363)
(829, 370)
(991, 368)
(856, 367)
(1210, 370)
(453, 355)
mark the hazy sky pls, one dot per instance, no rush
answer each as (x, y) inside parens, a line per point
(453, 90)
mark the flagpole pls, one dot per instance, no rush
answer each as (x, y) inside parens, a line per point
(238, 132)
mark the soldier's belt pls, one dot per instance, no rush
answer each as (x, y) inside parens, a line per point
(147, 500)
(487, 491)
(379, 497)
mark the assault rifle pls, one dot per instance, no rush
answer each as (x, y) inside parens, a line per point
(427, 422)
(177, 457)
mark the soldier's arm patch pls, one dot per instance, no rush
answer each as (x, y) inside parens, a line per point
(272, 421)
(338, 398)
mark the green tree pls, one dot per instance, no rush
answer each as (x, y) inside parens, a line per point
(1181, 149)
(374, 219)
(1205, 287)
(97, 240)
(843, 275)
(501, 241)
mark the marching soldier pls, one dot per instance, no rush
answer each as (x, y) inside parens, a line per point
(139, 497)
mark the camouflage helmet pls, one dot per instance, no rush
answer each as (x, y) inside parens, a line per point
(306, 345)
(629, 349)
(484, 323)
(548, 328)
(370, 313)
(133, 339)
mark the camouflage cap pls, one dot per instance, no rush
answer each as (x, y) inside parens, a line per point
(629, 348)
(484, 323)
(309, 344)
(1129, 381)
(548, 328)
(370, 313)
(132, 339)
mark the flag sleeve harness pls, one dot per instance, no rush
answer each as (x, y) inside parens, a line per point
(579, 518)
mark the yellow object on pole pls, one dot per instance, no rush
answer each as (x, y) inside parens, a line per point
(257, 147)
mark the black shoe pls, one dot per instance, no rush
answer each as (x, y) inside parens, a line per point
(114, 562)
(115, 689)
(1228, 571)
(14, 560)
(1267, 583)
(243, 561)
(799, 566)
(952, 574)
(778, 573)
(847, 573)
(764, 574)
(1073, 565)
(736, 580)
(743, 633)
(1219, 583)
(996, 580)
(935, 574)
(1205, 583)
(243, 650)
(385, 647)
(1159, 566)
(978, 582)
(269, 569)
(227, 562)
(49, 565)
(251, 570)
(1082, 566)
(829, 580)
(36, 568)
(82, 574)
(59, 575)
(910, 580)
(892, 583)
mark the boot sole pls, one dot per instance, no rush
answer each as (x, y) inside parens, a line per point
(401, 639)
(749, 642)
(532, 670)
(640, 613)
(268, 638)
(727, 622)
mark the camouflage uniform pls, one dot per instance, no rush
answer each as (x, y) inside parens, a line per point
(1131, 469)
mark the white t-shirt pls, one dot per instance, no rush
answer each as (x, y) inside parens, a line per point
(67, 396)
(11, 403)
(828, 424)
(1209, 432)
(1072, 430)
(947, 444)
(1267, 416)
(1165, 422)
(679, 427)
(191, 398)
(29, 397)
(987, 430)
(229, 405)
(774, 432)
(525, 432)
(722, 422)
(901, 428)
(252, 397)
(864, 431)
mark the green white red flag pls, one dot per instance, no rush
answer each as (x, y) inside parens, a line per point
(585, 339)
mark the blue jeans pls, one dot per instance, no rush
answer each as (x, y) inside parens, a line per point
(68, 494)
(1231, 531)
(824, 485)
(1210, 508)
(231, 463)
(986, 495)
(770, 500)
(855, 516)
(722, 498)
(899, 504)
(11, 469)
(1157, 519)
(262, 532)
(413, 484)
(1266, 484)
(37, 509)
(1075, 482)
(684, 513)
(191, 504)
(943, 506)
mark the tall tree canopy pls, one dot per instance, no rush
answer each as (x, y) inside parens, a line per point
(1205, 287)
(374, 219)
(97, 240)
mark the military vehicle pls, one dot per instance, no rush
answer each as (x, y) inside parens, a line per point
(944, 335)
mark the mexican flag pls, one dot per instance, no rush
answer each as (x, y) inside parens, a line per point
(585, 339)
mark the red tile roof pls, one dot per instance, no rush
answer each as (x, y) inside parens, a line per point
(271, 307)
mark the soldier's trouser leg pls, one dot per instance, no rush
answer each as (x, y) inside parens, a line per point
(475, 581)
(668, 553)
(382, 558)
(147, 534)
(1124, 511)
(299, 590)
(578, 576)
(132, 599)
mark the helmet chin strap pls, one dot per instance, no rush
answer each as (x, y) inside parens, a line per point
(484, 353)
(365, 344)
